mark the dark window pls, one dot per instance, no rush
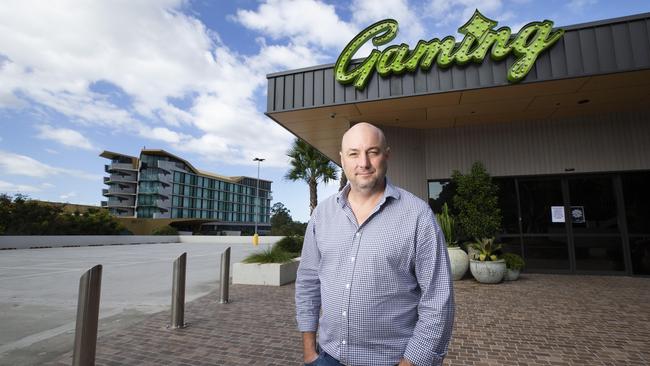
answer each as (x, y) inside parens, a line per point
(508, 205)
(636, 194)
(537, 197)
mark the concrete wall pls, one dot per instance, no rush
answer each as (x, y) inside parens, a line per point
(36, 241)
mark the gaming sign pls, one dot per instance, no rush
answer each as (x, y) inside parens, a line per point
(480, 38)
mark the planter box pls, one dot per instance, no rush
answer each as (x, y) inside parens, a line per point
(269, 274)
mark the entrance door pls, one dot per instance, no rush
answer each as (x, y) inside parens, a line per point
(595, 224)
(545, 237)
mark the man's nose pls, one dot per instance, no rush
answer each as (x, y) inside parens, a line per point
(363, 160)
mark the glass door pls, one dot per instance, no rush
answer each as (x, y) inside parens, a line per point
(594, 224)
(544, 229)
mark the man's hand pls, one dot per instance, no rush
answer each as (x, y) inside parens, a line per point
(405, 362)
(309, 347)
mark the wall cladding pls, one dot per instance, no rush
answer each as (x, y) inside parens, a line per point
(614, 142)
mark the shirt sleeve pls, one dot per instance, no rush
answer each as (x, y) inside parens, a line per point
(308, 283)
(428, 345)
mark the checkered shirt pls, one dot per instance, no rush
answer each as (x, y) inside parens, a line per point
(384, 287)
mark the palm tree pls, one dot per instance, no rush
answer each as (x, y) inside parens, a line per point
(310, 165)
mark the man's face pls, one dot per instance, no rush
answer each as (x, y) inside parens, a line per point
(364, 158)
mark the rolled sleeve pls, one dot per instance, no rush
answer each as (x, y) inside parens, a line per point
(432, 333)
(308, 301)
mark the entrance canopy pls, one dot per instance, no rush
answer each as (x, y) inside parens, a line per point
(594, 68)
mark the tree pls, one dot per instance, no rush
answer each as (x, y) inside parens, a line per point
(477, 203)
(22, 216)
(309, 165)
(282, 223)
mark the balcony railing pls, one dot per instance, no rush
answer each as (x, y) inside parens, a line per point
(109, 168)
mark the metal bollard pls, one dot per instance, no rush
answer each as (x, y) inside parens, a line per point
(178, 292)
(85, 336)
(225, 276)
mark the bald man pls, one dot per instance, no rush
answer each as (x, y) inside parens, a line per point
(374, 263)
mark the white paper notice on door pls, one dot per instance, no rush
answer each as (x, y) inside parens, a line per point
(557, 213)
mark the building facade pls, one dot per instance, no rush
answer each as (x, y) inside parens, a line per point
(160, 185)
(568, 143)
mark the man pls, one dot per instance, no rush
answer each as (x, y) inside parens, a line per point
(374, 261)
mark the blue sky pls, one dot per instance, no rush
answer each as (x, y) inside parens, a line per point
(79, 77)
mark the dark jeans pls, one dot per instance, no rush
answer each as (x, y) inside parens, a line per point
(324, 360)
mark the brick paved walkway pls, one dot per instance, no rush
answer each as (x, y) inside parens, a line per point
(538, 320)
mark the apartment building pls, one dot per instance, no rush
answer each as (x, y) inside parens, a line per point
(160, 185)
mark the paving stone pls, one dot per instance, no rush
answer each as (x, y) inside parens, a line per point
(539, 320)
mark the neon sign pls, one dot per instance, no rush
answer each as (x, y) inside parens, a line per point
(480, 38)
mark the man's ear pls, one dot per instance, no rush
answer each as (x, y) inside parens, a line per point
(387, 152)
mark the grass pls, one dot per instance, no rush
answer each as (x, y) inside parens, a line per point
(271, 255)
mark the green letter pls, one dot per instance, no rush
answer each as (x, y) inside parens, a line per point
(381, 33)
(527, 50)
(392, 60)
(425, 51)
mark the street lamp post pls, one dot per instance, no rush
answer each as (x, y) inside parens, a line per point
(257, 201)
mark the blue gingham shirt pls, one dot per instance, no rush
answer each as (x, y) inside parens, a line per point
(384, 287)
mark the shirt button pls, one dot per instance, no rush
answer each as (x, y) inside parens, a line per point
(358, 234)
(343, 341)
(347, 285)
(352, 259)
(344, 313)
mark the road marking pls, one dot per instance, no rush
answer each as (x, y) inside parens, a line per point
(34, 338)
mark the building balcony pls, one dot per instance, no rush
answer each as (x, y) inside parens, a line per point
(127, 203)
(114, 167)
(104, 203)
(116, 178)
(116, 190)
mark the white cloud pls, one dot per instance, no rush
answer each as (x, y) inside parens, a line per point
(67, 196)
(149, 54)
(127, 44)
(8, 187)
(306, 22)
(64, 136)
(456, 13)
(366, 12)
(15, 164)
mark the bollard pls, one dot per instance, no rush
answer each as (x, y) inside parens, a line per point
(178, 292)
(225, 275)
(85, 336)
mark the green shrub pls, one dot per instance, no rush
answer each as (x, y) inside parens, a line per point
(477, 203)
(274, 254)
(291, 244)
(165, 230)
(514, 261)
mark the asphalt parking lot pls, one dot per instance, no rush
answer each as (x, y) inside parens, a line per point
(39, 289)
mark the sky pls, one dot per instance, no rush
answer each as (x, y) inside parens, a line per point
(189, 77)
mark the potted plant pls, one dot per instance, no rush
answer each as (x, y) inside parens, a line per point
(486, 267)
(514, 265)
(458, 258)
(274, 266)
(476, 203)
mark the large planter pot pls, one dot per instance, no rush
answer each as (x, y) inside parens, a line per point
(488, 271)
(511, 274)
(459, 262)
(271, 274)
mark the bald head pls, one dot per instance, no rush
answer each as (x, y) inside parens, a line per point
(364, 158)
(363, 131)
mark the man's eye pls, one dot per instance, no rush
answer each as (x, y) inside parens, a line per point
(353, 155)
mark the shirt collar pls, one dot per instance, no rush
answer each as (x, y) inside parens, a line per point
(389, 191)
